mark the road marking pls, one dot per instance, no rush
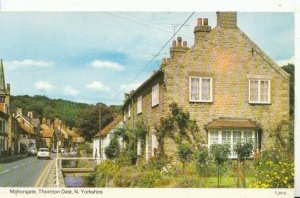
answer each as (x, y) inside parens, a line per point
(5, 171)
(14, 167)
(41, 178)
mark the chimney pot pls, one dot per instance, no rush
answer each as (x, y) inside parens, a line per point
(184, 43)
(174, 43)
(164, 61)
(179, 39)
(205, 21)
(154, 71)
(199, 22)
(168, 60)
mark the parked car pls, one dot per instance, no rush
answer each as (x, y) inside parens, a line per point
(43, 153)
(63, 150)
(53, 150)
(32, 151)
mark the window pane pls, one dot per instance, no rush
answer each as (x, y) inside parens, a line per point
(264, 91)
(139, 104)
(226, 137)
(155, 95)
(205, 92)
(195, 89)
(214, 136)
(253, 90)
(247, 136)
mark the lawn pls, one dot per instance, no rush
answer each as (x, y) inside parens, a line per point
(228, 182)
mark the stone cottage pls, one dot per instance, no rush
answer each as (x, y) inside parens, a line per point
(5, 118)
(102, 139)
(230, 87)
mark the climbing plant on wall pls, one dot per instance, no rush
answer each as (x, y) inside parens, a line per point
(181, 128)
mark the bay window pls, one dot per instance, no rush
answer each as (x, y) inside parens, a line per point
(232, 137)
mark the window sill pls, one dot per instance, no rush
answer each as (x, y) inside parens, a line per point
(139, 113)
(153, 106)
(259, 103)
(200, 101)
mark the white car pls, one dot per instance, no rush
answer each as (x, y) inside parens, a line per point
(32, 151)
(43, 153)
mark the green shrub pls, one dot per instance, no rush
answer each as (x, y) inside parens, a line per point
(148, 179)
(184, 153)
(104, 173)
(202, 162)
(273, 170)
(243, 152)
(113, 149)
(220, 153)
(191, 182)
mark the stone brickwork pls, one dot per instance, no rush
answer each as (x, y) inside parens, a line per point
(230, 58)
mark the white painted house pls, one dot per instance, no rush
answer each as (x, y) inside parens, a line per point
(102, 139)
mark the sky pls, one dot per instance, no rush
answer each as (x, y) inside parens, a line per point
(94, 57)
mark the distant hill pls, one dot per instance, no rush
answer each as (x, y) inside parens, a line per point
(81, 115)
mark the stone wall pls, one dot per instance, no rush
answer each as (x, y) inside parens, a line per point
(230, 58)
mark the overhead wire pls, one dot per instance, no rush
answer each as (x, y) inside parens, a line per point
(155, 56)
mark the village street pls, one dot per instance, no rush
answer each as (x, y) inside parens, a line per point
(27, 172)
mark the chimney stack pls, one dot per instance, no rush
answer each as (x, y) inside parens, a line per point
(178, 49)
(49, 122)
(227, 20)
(163, 64)
(202, 29)
(19, 111)
(30, 114)
(168, 61)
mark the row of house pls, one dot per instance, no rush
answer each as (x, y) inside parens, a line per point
(19, 132)
(230, 87)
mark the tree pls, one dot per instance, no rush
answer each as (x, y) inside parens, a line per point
(290, 69)
(202, 158)
(113, 149)
(243, 152)
(184, 152)
(220, 153)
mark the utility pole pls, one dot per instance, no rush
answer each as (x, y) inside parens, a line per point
(100, 127)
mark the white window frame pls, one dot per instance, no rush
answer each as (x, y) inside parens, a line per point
(125, 116)
(129, 111)
(139, 147)
(259, 82)
(139, 104)
(154, 143)
(200, 88)
(232, 155)
(155, 95)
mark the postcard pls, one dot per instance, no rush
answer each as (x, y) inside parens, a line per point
(179, 103)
